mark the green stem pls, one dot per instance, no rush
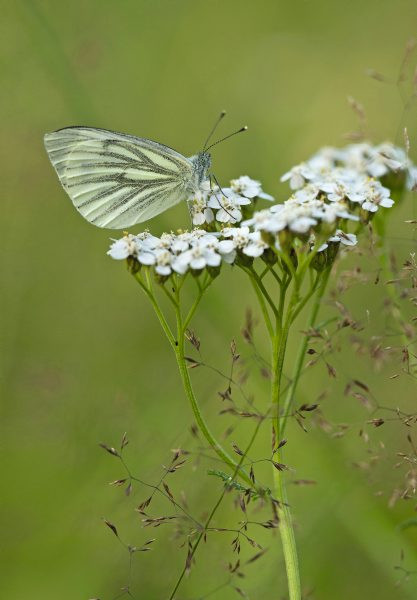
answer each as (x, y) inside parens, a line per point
(262, 305)
(306, 298)
(186, 381)
(214, 509)
(279, 344)
(258, 282)
(178, 346)
(289, 545)
(279, 337)
(147, 288)
(303, 349)
(201, 290)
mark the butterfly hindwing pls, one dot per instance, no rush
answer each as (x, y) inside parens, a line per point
(117, 180)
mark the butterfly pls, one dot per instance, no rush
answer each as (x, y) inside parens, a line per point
(116, 180)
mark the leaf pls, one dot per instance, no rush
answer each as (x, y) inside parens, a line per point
(256, 556)
(193, 339)
(237, 449)
(189, 559)
(112, 527)
(109, 449)
(301, 424)
(308, 407)
(233, 348)
(376, 422)
(175, 467)
(361, 385)
(168, 491)
(331, 370)
(144, 504)
(193, 363)
(304, 482)
(279, 466)
(124, 441)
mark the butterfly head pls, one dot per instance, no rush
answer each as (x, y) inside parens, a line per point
(202, 164)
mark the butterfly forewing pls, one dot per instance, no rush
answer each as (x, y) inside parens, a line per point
(116, 180)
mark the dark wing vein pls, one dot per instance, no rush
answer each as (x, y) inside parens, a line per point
(116, 180)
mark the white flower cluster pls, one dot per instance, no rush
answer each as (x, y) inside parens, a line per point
(194, 249)
(189, 250)
(333, 187)
(339, 237)
(224, 204)
(299, 216)
(351, 173)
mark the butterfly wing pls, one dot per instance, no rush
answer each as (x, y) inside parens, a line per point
(116, 180)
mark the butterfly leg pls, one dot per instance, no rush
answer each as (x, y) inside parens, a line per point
(190, 212)
(222, 193)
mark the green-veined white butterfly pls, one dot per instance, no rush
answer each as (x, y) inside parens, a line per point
(116, 180)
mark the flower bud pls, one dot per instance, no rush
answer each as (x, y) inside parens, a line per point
(243, 259)
(161, 279)
(293, 258)
(213, 271)
(269, 257)
(133, 265)
(286, 239)
(395, 181)
(319, 261)
(332, 250)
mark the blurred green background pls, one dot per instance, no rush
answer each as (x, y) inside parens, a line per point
(83, 359)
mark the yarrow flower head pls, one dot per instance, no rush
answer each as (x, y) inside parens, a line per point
(227, 205)
(246, 241)
(351, 162)
(224, 204)
(191, 250)
(350, 174)
(335, 187)
(340, 237)
(249, 188)
(298, 217)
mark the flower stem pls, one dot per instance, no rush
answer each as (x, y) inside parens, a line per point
(262, 305)
(147, 288)
(289, 546)
(302, 351)
(214, 509)
(279, 344)
(177, 345)
(202, 425)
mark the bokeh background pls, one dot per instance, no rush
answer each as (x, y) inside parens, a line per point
(83, 359)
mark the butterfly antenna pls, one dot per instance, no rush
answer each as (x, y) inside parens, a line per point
(211, 176)
(222, 114)
(245, 128)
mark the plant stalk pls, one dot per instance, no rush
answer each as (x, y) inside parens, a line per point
(279, 344)
(287, 405)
